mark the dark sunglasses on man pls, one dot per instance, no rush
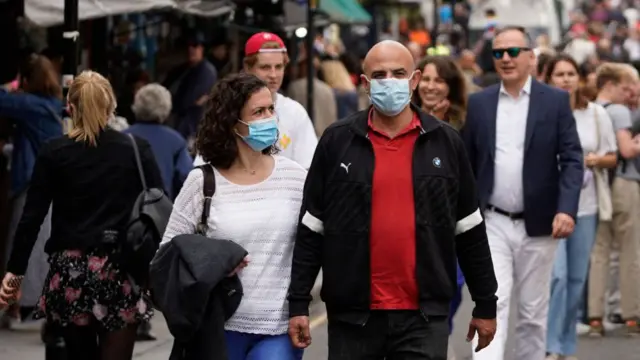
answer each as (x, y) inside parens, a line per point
(513, 52)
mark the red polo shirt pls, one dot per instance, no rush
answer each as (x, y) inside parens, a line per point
(393, 228)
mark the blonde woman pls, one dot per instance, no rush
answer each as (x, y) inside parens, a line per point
(90, 178)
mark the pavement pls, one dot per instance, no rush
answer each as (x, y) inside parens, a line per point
(615, 346)
(25, 344)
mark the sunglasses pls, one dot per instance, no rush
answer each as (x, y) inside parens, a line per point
(512, 51)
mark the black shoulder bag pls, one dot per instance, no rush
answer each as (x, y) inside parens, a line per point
(147, 223)
(231, 287)
(208, 189)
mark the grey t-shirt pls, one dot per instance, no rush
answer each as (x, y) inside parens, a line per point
(621, 117)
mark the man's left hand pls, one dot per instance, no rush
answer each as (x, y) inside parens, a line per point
(486, 330)
(563, 225)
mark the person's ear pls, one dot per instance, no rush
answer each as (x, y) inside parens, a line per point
(415, 79)
(366, 83)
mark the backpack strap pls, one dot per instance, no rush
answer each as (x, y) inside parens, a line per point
(208, 189)
(136, 152)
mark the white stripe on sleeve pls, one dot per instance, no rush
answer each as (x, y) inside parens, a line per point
(313, 223)
(469, 222)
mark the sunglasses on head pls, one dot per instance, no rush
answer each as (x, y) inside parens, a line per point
(512, 51)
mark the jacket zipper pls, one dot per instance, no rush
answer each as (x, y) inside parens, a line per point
(415, 145)
(373, 168)
(422, 132)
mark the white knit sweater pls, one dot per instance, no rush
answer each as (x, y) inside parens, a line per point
(262, 218)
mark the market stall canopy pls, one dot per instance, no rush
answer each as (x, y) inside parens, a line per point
(345, 11)
(206, 8)
(51, 12)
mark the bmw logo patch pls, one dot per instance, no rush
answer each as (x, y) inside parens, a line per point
(436, 162)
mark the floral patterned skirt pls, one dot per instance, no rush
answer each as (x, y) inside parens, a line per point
(84, 288)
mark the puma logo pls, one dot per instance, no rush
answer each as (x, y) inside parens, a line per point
(346, 167)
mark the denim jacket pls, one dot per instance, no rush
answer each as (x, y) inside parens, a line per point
(34, 123)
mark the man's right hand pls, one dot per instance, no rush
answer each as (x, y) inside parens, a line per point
(299, 331)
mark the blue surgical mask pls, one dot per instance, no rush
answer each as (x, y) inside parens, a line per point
(262, 133)
(390, 96)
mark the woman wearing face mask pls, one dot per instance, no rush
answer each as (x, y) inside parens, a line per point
(442, 90)
(572, 257)
(256, 204)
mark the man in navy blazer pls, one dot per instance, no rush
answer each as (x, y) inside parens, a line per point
(526, 155)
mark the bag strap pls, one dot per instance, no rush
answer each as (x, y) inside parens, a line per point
(598, 134)
(208, 189)
(136, 151)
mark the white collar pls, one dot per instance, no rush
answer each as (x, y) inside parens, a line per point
(526, 89)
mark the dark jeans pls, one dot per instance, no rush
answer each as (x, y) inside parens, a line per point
(390, 335)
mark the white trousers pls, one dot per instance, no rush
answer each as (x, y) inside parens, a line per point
(523, 264)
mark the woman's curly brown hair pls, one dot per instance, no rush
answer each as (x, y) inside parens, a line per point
(216, 138)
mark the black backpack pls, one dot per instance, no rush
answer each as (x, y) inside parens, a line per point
(147, 223)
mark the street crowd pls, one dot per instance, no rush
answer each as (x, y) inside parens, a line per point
(222, 202)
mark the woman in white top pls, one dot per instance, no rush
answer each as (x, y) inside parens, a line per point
(256, 204)
(572, 258)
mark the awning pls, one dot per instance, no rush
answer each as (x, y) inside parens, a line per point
(206, 8)
(51, 12)
(345, 11)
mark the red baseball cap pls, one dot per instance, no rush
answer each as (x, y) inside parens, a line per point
(256, 42)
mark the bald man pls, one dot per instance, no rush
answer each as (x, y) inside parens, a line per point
(390, 203)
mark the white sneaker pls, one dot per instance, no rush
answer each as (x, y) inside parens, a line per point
(609, 326)
(553, 357)
(582, 329)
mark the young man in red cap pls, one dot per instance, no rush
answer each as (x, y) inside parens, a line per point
(266, 57)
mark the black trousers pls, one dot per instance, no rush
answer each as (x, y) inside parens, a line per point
(390, 335)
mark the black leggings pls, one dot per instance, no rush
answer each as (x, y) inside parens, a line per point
(88, 342)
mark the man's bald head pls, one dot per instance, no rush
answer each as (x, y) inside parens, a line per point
(387, 51)
(390, 77)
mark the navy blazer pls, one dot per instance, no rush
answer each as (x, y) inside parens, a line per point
(552, 173)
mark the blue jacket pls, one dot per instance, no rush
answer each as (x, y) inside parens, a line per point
(187, 85)
(553, 160)
(35, 123)
(170, 151)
